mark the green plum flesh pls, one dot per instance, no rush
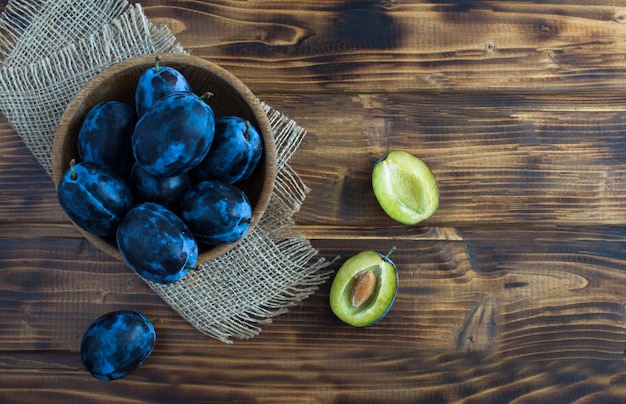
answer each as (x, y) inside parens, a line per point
(405, 187)
(382, 298)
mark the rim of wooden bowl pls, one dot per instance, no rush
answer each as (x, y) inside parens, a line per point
(261, 183)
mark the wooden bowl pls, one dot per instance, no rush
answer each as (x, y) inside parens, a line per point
(230, 97)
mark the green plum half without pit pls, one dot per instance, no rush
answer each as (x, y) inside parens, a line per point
(364, 288)
(405, 187)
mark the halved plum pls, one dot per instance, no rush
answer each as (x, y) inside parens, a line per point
(405, 187)
(364, 288)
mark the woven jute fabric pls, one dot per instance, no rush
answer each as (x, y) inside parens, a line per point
(50, 49)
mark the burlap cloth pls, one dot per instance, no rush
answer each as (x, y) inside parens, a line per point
(49, 49)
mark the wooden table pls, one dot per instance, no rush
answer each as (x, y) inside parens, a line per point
(513, 291)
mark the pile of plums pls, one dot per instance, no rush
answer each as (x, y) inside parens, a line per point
(162, 175)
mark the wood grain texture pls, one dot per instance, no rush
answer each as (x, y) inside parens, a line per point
(407, 45)
(497, 159)
(512, 292)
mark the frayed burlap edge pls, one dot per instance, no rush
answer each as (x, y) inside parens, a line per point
(272, 269)
(65, 23)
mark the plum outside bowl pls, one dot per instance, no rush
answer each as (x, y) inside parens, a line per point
(230, 97)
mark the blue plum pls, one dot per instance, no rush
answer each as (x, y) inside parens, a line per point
(236, 151)
(94, 197)
(175, 135)
(216, 212)
(105, 136)
(116, 344)
(166, 191)
(157, 82)
(156, 243)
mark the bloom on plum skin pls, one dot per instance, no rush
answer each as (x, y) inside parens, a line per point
(94, 197)
(156, 243)
(157, 82)
(116, 344)
(173, 146)
(216, 212)
(234, 154)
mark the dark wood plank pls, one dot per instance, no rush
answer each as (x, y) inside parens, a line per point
(348, 377)
(397, 46)
(504, 159)
(526, 285)
(27, 193)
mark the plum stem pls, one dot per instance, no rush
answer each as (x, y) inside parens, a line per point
(393, 248)
(157, 63)
(246, 134)
(206, 96)
(154, 320)
(246, 221)
(192, 268)
(74, 175)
